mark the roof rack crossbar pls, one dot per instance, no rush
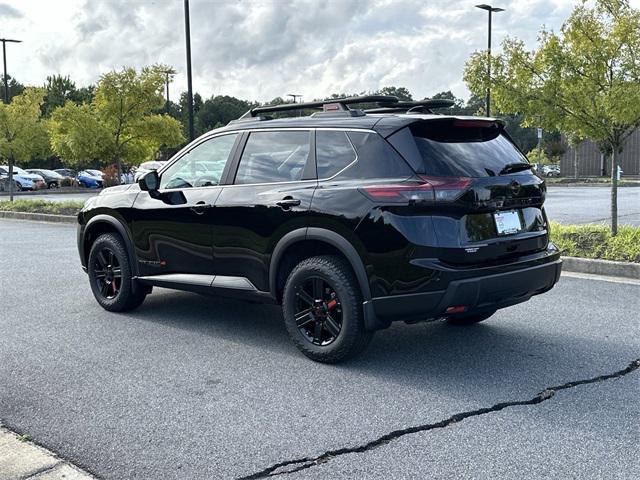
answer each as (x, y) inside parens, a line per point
(419, 106)
(331, 105)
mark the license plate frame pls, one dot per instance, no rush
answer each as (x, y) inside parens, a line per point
(507, 222)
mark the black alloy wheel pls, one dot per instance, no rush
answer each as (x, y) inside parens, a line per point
(322, 309)
(107, 273)
(318, 311)
(110, 275)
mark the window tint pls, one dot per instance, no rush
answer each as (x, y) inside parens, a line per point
(273, 157)
(452, 148)
(376, 159)
(202, 166)
(333, 152)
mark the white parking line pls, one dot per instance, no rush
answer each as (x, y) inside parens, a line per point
(604, 278)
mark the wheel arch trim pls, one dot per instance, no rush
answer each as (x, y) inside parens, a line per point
(120, 228)
(323, 235)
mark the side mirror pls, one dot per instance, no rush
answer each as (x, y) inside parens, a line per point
(150, 182)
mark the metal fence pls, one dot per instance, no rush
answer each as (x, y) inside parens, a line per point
(591, 162)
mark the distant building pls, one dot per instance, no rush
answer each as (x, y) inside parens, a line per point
(591, 163)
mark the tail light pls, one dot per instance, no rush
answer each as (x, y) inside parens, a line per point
(429, 189)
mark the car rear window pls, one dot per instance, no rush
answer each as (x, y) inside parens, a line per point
(457, 148)
(334, 152)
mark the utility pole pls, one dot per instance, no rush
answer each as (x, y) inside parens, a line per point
(187, 31)
(296, 96)
(169, 71)
(490, 10)
(4, 61)
(6, 100)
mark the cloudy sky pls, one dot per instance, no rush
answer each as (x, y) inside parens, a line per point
(259, 49)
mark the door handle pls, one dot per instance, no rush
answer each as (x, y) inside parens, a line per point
(288, 202)
(200, 207)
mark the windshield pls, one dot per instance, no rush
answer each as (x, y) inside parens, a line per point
(19, 171)
(459, 148)
(95, 173)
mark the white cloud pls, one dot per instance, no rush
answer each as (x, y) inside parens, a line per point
(259, 49)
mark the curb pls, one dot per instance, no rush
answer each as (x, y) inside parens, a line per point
(38, 217)
(22, 459)
(50, 191)
(601, 267)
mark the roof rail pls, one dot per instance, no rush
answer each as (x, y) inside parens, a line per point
(332, 106)
(420, 106)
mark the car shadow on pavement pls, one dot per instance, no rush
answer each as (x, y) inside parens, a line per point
(519, 344)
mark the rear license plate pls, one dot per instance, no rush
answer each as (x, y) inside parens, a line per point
(507, 222)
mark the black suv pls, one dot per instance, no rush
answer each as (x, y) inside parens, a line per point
(348, 218)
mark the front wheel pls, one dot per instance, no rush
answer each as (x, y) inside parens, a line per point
(110, 275)
(322, 308)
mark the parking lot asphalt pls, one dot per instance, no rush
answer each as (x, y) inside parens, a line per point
(575, 205)
(195, 387)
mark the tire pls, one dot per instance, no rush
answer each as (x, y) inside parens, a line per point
(114, 293)
(18, 186)
(470, 318)
(328, 289)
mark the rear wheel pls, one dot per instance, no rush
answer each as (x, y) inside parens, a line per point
(110, 275)
(322, 309)
(470, 318)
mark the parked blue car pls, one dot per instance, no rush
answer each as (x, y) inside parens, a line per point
(90, 178)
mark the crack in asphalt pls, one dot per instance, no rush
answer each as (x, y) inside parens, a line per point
(546, 394)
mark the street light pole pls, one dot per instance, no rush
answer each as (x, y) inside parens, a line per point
(490, 10)
(6, 100)
(4, 61)
(187, 31)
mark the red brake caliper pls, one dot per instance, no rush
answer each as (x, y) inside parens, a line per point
(332, 304)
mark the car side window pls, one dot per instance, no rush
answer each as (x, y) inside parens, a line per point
(333, 152)
(202, 166)
(272, 157)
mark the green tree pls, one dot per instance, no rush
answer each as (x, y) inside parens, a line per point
(184, 112)
(60, 89)
(218, 111)
(583, 81)
(22, 130)
(401, 92)
(119, 124)
(15, 87)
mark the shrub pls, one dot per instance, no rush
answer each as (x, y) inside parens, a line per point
(68, 182)
(110, 176)
(69, 207)
(595, 241)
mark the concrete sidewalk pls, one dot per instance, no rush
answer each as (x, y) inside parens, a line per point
(22, 459)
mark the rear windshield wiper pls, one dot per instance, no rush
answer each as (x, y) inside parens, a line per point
(515, 167)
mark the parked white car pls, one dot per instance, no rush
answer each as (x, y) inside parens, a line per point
(551, 170)
(147, 167)
(22, 179)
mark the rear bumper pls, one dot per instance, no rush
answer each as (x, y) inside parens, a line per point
(477, 291)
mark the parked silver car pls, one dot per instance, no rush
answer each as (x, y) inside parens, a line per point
(147, 167)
